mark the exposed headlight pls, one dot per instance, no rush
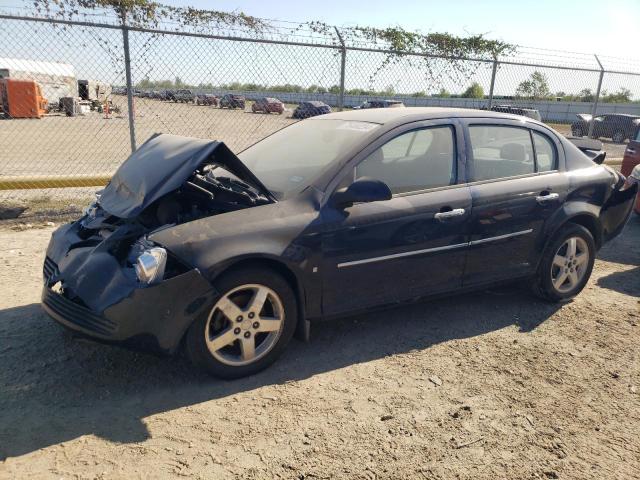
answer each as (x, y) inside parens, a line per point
(150, 265)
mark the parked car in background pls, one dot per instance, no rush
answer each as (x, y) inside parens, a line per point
(616, 126)
(525, 112)
(189, 244)
(159, 94)
(170, 95)
(267, 105)
(207, 99)
(380, 104)
(310, 109)
(231, 100)
(631, 160)
(184, 96)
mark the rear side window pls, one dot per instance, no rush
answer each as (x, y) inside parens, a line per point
(545, 153)
(500, 152)
(413, 161)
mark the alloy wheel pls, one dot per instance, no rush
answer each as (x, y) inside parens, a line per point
(569, 264)
(244, 324)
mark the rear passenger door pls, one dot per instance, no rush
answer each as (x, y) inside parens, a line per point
(514, 174)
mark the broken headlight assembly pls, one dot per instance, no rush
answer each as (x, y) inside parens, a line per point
(149, 261)
(150, 265)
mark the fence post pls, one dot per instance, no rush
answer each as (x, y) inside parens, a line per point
(343, 63)
(597, 98)
(493, 81)
(127, 69)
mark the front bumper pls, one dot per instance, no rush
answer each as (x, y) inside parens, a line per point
(154, 317)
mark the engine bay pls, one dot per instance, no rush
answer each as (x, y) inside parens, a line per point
(202, 195)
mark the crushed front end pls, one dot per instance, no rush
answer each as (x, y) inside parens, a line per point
(104, 278)
(91, 286)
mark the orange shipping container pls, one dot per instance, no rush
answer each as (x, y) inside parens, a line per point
(22, 98)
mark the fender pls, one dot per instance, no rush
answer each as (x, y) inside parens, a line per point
(282, 233)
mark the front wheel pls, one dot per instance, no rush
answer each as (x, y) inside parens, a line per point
(566, 264)
(248, 326)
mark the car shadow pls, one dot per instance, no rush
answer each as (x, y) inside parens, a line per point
(54, 388)
(627, 282)
(624, 248)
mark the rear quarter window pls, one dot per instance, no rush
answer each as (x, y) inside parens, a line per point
(546, 157)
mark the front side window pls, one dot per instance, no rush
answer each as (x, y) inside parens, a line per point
(413, 161)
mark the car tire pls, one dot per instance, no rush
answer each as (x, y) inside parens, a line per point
(561, 273)
(577, 132)
(618, 137)
(250, 327)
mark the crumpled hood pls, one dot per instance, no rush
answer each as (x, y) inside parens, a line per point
(162, 164)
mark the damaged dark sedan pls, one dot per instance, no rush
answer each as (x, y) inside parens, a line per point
(231, 255)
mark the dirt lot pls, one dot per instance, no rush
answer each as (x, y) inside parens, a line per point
(92, 144)
(491, 385)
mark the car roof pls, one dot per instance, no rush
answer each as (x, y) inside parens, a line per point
(411, 114)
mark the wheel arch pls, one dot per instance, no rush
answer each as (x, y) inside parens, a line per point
(292, 277)
(591, 223)
(585, 215)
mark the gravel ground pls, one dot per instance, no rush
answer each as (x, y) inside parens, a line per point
(491, 385)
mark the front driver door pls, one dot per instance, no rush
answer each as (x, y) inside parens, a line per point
(412, 245)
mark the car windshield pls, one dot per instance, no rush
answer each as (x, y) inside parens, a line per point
(290, 159)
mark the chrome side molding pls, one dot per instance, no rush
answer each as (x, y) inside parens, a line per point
(432, 250)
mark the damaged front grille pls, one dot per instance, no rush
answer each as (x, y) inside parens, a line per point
(49, 268)
(77, 314)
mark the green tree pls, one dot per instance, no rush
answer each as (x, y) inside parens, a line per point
(586, 95)
(474, 91)
(621, 96)
(444, 93)
(536, 86)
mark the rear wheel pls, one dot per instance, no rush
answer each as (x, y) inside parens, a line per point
(566, 264)
(248, 326)
(577, 132)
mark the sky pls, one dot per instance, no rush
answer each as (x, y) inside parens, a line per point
(596, 26)
(604, 27)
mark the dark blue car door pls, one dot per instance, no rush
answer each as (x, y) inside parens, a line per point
(516, 183)
(411, 245)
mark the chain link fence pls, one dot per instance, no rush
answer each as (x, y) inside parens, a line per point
(108, 88)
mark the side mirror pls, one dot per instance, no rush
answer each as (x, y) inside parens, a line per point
(361, 191)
